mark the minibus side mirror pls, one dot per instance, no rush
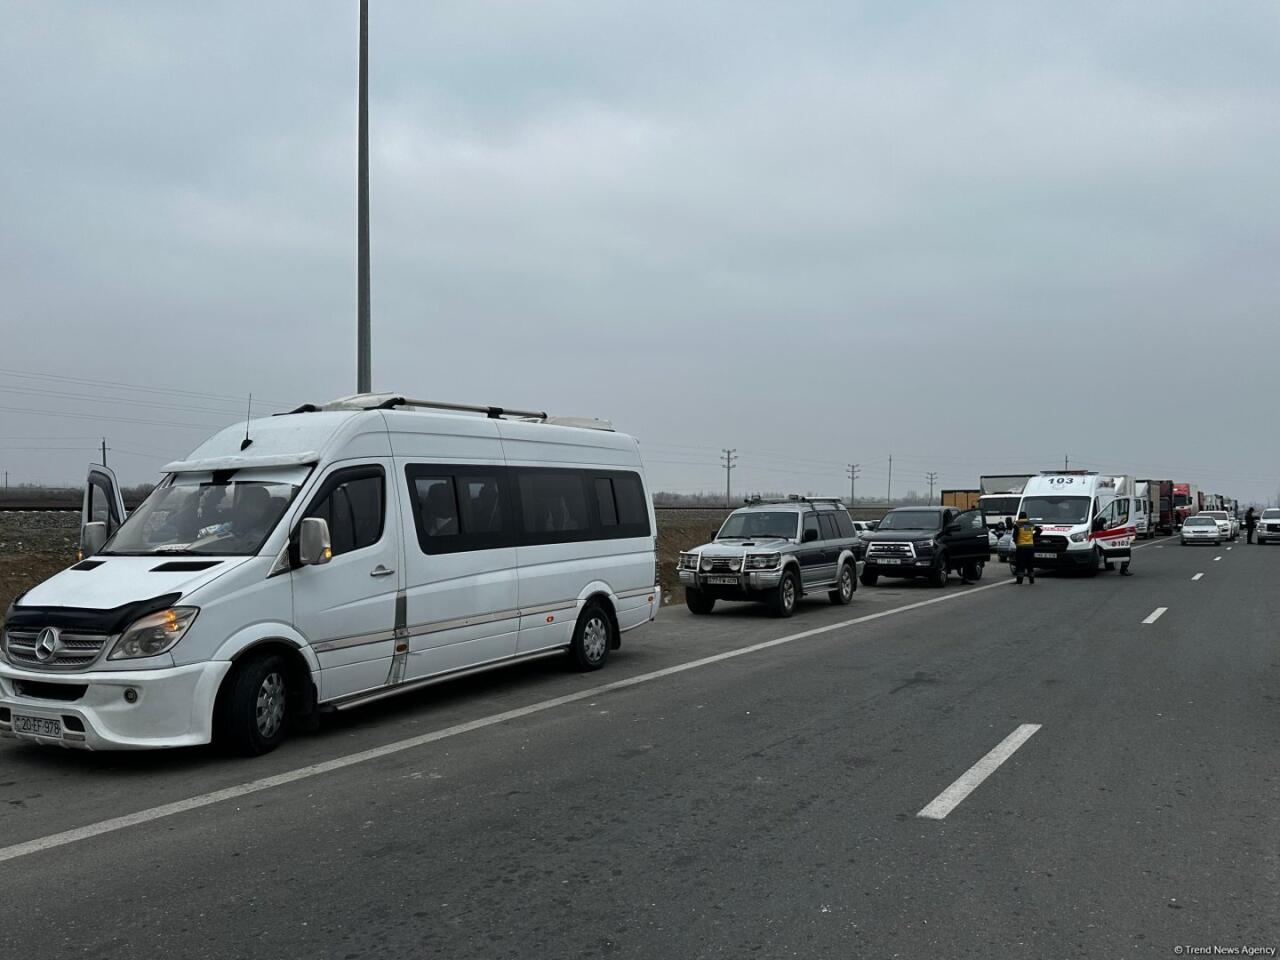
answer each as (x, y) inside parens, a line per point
(92, 537)
(314, 545)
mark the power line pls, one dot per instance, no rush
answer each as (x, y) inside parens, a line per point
(90, 416)
(163, 405)
(140, 388)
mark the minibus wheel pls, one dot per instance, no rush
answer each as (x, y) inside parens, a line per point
(592, 637)
(252, 714)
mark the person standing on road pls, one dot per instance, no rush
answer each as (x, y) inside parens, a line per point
(1024, 548)
(1250, 524)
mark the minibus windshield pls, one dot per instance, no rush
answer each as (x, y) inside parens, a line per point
(1059, 510)
(204, 514)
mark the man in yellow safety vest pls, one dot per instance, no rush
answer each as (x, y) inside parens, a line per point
(1024, 547)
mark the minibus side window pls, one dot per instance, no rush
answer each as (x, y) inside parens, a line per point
(436, 501)
(460, 508)
(632, 508)
(554, 505)
(606, 502)
(353, 502)
(621, 506)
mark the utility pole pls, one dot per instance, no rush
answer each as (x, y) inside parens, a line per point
(6, 481)
(1066, 462)
(889, 496)
(931, 476)
(104, 451)
(364, 363)
(852, 472)
(730, 460)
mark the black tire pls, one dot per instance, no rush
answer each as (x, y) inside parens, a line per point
(846, 584)
(698, 602)
(939, 573)
(783, 600)
(593, 638)
(252, 714)
(869, 578)
(973, 570)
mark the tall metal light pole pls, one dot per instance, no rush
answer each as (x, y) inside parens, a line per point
(364, 363)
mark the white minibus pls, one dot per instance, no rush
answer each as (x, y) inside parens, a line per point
(321, 559)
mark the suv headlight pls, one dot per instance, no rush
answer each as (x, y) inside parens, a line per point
(925, 544)
(763, 561)
(154, 634)
(1079, 537)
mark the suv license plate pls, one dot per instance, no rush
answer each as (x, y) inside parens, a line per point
(888, 560)
(38, 726)
(1046, 556)
(723, 581)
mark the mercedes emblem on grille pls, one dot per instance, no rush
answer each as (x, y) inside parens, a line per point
(47, 644)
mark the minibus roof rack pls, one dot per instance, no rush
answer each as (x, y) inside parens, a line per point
(394, 401)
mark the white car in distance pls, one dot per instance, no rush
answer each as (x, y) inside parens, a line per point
(1223, 520)
(1201, 529)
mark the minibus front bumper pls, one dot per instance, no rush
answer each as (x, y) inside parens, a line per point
(111, 709)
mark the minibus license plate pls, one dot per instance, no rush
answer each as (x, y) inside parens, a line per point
(38, 726)
(723, 581)
(1046, 556)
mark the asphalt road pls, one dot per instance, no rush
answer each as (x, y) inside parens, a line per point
(765, 802)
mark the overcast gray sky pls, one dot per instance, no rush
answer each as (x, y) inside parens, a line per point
(978, 236)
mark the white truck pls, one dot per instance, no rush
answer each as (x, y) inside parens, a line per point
(1087, 521)
(1000, 496)
(1146, 509)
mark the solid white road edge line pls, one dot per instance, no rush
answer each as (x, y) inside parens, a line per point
(969, 781)
(328, 766)
(1156, 615)
(1197, 576)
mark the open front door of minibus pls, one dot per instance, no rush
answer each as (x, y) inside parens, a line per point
(102, 510)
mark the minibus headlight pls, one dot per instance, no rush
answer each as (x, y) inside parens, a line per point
(154, 634)
(1079, 537)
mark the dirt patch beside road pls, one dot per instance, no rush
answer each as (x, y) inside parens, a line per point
(33, 547)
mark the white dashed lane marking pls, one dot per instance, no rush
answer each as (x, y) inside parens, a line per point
(1197, 576)
(1156, 614)
(972, 778)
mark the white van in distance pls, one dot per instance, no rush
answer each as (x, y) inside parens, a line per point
(325, 558)
(1087, 521)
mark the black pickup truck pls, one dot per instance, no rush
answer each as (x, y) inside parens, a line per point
(927, 542)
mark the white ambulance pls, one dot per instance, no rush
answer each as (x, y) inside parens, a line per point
(1087, 521)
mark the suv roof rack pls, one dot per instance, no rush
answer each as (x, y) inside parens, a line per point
(394, 401)
(790, 498)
